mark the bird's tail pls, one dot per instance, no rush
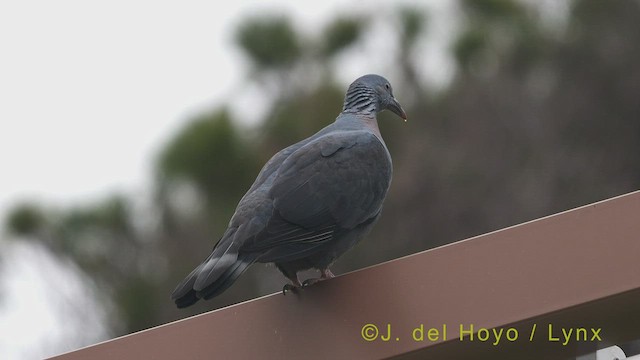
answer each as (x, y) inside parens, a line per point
(219, 271)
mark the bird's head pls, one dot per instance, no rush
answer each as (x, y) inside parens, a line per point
(372, 93)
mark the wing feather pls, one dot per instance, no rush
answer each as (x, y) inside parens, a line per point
(330, 185)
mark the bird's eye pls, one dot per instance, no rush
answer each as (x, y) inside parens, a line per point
(386, 86)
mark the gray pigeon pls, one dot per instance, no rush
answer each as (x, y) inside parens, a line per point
(311, 202)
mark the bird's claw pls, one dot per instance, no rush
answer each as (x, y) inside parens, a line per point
(310, 282)
(289, 287)
(296, 285)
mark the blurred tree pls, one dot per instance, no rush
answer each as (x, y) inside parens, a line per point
(103, 241)
(412, 24)
(340, 34)
(25, 219)
(413, 21)
(271, 42)
(299, 117)
(210, 153)
(494, 10)
(497, 33)
(527, 128)
(99, 235)
(469, 46)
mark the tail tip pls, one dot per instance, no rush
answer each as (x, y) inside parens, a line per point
(186, 300)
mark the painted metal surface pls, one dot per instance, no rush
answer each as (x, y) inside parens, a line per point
(576, 270)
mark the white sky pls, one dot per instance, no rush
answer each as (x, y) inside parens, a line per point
(40, 318)
(89, 92)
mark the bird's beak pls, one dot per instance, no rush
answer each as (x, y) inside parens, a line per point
(395, 107)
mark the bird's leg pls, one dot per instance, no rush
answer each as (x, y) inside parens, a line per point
(293, 286)
(325, 274)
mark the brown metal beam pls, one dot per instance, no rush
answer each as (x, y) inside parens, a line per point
(578, 269)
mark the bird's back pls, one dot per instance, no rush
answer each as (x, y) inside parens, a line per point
(327, 186)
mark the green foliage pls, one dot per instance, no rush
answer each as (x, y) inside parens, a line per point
(340, 34)
(498, 33)
(112, 214)
(301, 116)
(594, 11)
(210, 153)
(469, 47)
(270, 42)
(134, 300)
(25, 220)
(96, 234)
(413, 21)
(494, 9)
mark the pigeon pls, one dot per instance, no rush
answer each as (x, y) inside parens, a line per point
(310, 203)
